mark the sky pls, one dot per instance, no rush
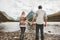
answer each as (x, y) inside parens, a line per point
(14, 8)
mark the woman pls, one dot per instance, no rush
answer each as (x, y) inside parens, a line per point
(23, 24)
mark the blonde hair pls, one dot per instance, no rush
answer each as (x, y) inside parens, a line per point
(23, 12)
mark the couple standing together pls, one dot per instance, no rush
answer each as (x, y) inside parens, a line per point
(41, 20)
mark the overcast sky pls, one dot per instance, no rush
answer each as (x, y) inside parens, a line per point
(14, 7)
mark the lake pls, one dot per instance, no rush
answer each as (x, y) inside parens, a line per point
(51, 28)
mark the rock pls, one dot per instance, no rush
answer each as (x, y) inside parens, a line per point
(27, 36)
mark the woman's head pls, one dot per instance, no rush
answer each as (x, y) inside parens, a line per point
(23, 13)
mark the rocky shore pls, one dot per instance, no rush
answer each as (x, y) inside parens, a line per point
(11, 32)
(28, 36)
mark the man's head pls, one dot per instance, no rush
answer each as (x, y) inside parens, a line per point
(39, 7)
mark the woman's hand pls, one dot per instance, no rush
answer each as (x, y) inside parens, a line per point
(44, 25)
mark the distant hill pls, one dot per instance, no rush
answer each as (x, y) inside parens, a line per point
(5, 18)
(54, 17)
(30, 15)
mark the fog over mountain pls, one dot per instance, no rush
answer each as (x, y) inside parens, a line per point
(14, 8)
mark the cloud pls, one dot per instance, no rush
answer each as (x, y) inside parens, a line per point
(14, 7)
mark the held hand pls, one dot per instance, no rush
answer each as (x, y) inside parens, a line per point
(44, 25)
(32, 23)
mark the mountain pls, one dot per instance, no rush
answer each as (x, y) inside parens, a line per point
(30, 15)
(4, 17)
(54, 17)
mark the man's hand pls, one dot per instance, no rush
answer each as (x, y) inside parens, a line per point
(45, 25)
(45, 22)
(32, 23)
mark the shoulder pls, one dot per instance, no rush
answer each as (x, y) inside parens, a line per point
(43, 11)
(37, 11)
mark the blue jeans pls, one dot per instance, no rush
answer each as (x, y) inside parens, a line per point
(39, 26)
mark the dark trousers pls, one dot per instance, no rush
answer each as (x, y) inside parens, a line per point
(22, 33)
(39, 26)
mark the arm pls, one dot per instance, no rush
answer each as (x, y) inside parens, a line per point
(34, 18)
(45, 20)
(19, 20)
(26, 19)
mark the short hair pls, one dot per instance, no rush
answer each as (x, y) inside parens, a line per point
(39, 7)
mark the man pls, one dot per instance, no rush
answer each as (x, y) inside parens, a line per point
(41, 20)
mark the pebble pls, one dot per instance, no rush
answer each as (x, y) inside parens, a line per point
(27, 36)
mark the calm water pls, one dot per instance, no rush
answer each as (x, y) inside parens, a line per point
(52, 27)
(10, 26)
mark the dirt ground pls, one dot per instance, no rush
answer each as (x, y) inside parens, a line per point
(28, 36)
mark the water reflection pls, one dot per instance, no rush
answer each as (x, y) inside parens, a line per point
(51, 28)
